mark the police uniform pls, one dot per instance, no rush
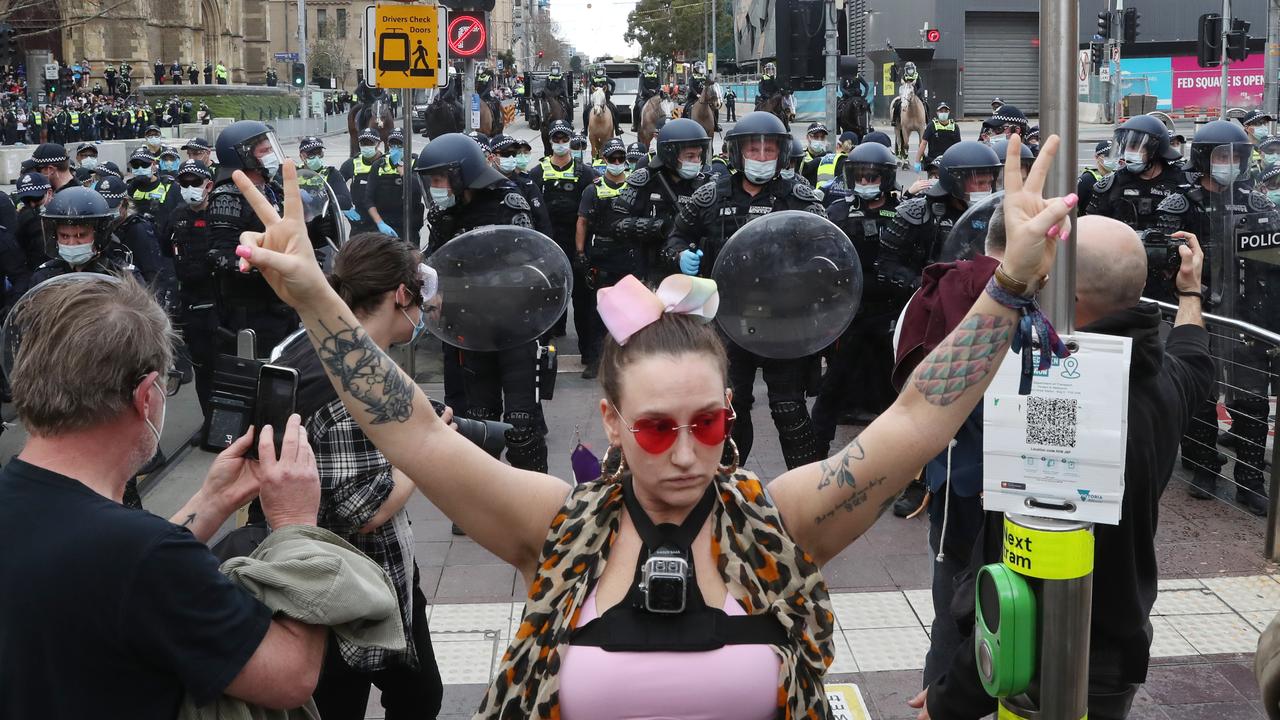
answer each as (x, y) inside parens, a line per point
(1133, 200)
(496, 385)
(645, 212)
(386, 193)
(650, 85)
(562, 189)
(860, 364)
(114, 259)
(358, 173)
(610, 259)
(714, 212)
(938, 136)
(913, 239)
(188, 242)
(153, 196)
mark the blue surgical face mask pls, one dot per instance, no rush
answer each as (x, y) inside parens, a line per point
(631, 165)
(89, 162)
(759, 171)
(418, 327)
(616, 168)
(1224, 173)
(1270, 159)
(396, 154)
(442, 198)
(944, 116)
(141, 172)
(577, 155)
(1262, 132)
(690, 170)
(559, 148)
(169, 166)
(270, 163)
(76, 255)
(1111, 164)
(867, 192)
(315, 163)
(1133, 162)
(522, 162)
(787, 173)
(819, 147)
(368, 151)
(507, 164)
(1274, 196)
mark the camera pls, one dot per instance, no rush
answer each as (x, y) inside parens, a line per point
(664, 581)
(1163, 258)
(489, 435)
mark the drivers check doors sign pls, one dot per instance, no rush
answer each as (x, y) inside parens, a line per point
(406, 47)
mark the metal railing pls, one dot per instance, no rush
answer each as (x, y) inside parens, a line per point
(1227, 335)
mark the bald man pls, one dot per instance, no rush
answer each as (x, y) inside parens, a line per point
(1166, 381)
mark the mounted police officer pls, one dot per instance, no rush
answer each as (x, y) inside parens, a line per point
(1146, 176)
(697, 81)
(1222, 202)
(969, 171)
(941, 133)
(563, 179)
(485, 86)
(860, 363)
(909, 75)
(650, 85)
(504, 152)
(602, 259)
(645, 210)
(465, 193)
(556, 89)
(600, 80)
(760, 146)
(766, 88)
(245, 299)
(186, 238)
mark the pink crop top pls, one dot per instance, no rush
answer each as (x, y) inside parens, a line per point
(737, 682)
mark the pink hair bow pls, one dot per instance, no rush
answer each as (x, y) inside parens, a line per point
(629, 306)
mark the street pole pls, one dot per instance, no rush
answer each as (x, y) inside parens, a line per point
(831, 52)
(1117, 107)
(1270, 94)
(304, 112)
(1226, 28)
(468, 93)
(715, 10)
(1059, 115)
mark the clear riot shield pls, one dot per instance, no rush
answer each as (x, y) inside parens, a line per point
(499, 286)
(968, 237)
(789, 282)
(327, 227)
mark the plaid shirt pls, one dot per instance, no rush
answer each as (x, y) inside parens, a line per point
(355, 480)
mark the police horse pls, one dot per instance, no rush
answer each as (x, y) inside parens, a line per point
(377, 116)
(911, 119)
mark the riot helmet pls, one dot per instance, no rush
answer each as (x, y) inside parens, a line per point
(968, 171)
(69, 213)
(798, 152)
(1221, 150)
(868, 162)
(650, 67)
(555, 69)
(699, 68)
(248, 145)
(759, 145)
(674, 138)
(877, 137)
(457, 159)
(771, 69)
(1141, 141)
(1001, 148)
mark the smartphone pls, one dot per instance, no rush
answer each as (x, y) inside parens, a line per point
(277, 397)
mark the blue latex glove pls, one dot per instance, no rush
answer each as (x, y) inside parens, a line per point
(916, 167)
(352, 214)
(690, 261)
(387, 230)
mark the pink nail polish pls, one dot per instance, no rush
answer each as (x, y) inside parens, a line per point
(244, 251)
(1053, 231)
(1071, 200)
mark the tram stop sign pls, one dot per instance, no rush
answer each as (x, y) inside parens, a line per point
(406, 46)
(468, 38)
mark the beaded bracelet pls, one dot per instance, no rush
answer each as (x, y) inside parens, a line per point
(1031, 325)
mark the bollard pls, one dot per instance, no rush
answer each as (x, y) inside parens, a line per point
(1056, 559)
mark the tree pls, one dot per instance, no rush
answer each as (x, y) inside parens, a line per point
(327, 54)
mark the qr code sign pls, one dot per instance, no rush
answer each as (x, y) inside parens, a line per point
(1051, 421)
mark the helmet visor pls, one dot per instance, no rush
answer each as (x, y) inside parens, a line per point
(673, 152)
(435, 182)
(73, 231)
(1225, 163)
(261, 152)
(1132, 146)
(972, 184)
(759, 157)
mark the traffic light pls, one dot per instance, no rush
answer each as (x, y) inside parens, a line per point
(1096, 51)
(299, 74)
(539, 54)
(1238, 40)
(1104, 24)
(1209, 40)
(933, 35)
(8, 47)
(1130, 25)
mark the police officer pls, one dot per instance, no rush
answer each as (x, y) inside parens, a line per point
(311, 155)
(504, 152)
(77, 236)
(466, 193)
(635, 153)
(485, 87)
(760, 146)
(563, 179)
(199, 149)
(650, 85)
(1221, 195)
(384, 198)
(358, 173)
(1268, 156)
(1146, 176)
(859, 365)
(1258, 125)
(644, 212)
(1103, 165)
(111, 76)
(696, 83)
(50, 160)
(601, 80)
(1001, 147)
(33, 193)
(524, 157)
(169, 161)
(969, 171)
(186, 238)
(149, 192)
(940, 134)
(137, 232)
(245, 299)
(909, 75)
(602, 260)
(765, 89)
(208, 73)
(1033, 139)
(815, 149)
(556, 89)
(86, 162)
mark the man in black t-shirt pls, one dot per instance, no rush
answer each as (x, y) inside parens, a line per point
(111, 612)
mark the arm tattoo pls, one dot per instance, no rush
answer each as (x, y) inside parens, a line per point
(963, 360)
(189, 521)
(365, 372)
(856, 498)
(840, 468)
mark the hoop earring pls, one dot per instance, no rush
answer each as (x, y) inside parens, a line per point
(730, 469)
(617, 474)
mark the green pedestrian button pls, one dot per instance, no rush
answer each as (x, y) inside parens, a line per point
(1006, 640)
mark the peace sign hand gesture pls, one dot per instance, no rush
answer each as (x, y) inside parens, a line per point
(1033, 223)
(282, 252)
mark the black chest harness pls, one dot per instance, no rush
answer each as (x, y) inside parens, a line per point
(630, 626)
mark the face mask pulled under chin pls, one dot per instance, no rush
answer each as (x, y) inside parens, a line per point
(418, 327)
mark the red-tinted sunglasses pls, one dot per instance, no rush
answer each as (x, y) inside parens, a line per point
(658, 434)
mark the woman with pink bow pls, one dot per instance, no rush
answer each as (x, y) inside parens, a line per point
(675, 586)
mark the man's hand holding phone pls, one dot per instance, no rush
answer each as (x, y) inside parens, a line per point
(290, 492)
